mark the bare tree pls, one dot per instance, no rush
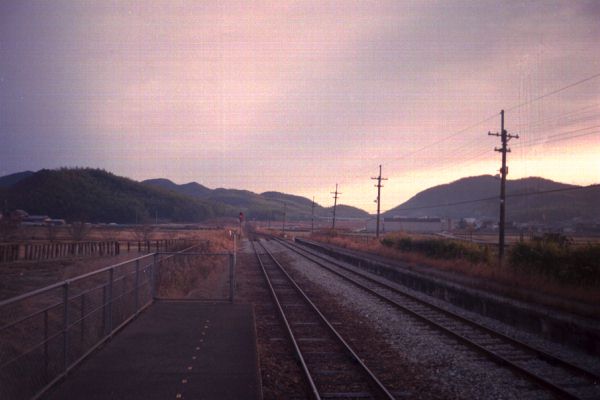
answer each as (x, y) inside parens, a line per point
(8, 229)
(143, 232)
(51, 232)
(78, 230)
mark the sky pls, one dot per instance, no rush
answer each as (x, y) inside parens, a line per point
(296, 96)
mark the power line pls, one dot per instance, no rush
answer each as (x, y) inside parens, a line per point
(553, 139)
(570, 189)
(573, 131)
(449, 136)
(509, 109)
(570, 115)
(560, 139)
(589, 78)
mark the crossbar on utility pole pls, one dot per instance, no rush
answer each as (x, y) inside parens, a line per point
(378, 200)
(504, 138)
(335, 197)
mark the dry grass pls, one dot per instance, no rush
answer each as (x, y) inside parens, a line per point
(506, 281)
(62, 233)
(20, 277)
(199, 277)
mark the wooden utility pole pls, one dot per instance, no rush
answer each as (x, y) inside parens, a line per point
(335, 197)
(312, 220)
(284, 214)
(504, 138)
(378, 186)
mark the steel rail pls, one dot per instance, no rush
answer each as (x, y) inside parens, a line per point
(542, 354)
(288, 328)
(489, 353)
(378, 385)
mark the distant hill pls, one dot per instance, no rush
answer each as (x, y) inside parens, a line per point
(191, 189)
(95, 195)
(345, 211)
(9, 180)
(549, 207)
(264, 206)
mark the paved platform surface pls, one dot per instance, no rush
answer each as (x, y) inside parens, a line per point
(174, 350)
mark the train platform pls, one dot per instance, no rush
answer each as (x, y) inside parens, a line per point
(173, 350)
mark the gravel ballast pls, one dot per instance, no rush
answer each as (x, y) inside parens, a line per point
(451, 368)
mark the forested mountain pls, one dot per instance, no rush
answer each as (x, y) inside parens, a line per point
(523, 205)
(264, 206)
(9, 180)
(193, 189)
(95, 195)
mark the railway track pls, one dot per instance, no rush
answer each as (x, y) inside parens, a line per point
(549, 372)
(331, 367)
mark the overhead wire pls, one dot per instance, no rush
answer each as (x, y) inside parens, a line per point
(475, 154)
(562, 89)
(521, 104)
(558, 137)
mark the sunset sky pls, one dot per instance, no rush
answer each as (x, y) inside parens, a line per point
(298, 96)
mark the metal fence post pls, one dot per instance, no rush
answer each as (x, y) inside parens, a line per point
(82, 317)
(103, 310)
(111, 274)
(231, 276)
(46, 343)
(234, 249)
(153, 273)
(65, 326)
(137, 284)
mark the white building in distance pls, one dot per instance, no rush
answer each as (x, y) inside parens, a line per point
(408, 224)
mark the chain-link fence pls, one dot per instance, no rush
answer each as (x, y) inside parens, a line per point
(45, 333)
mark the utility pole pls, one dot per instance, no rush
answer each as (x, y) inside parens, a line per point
(504, 138)
(378, 186)
(312, 220)
(335, 197)
(284, 213)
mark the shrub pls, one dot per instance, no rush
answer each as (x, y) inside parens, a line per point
(439, 248)
(558, 259)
